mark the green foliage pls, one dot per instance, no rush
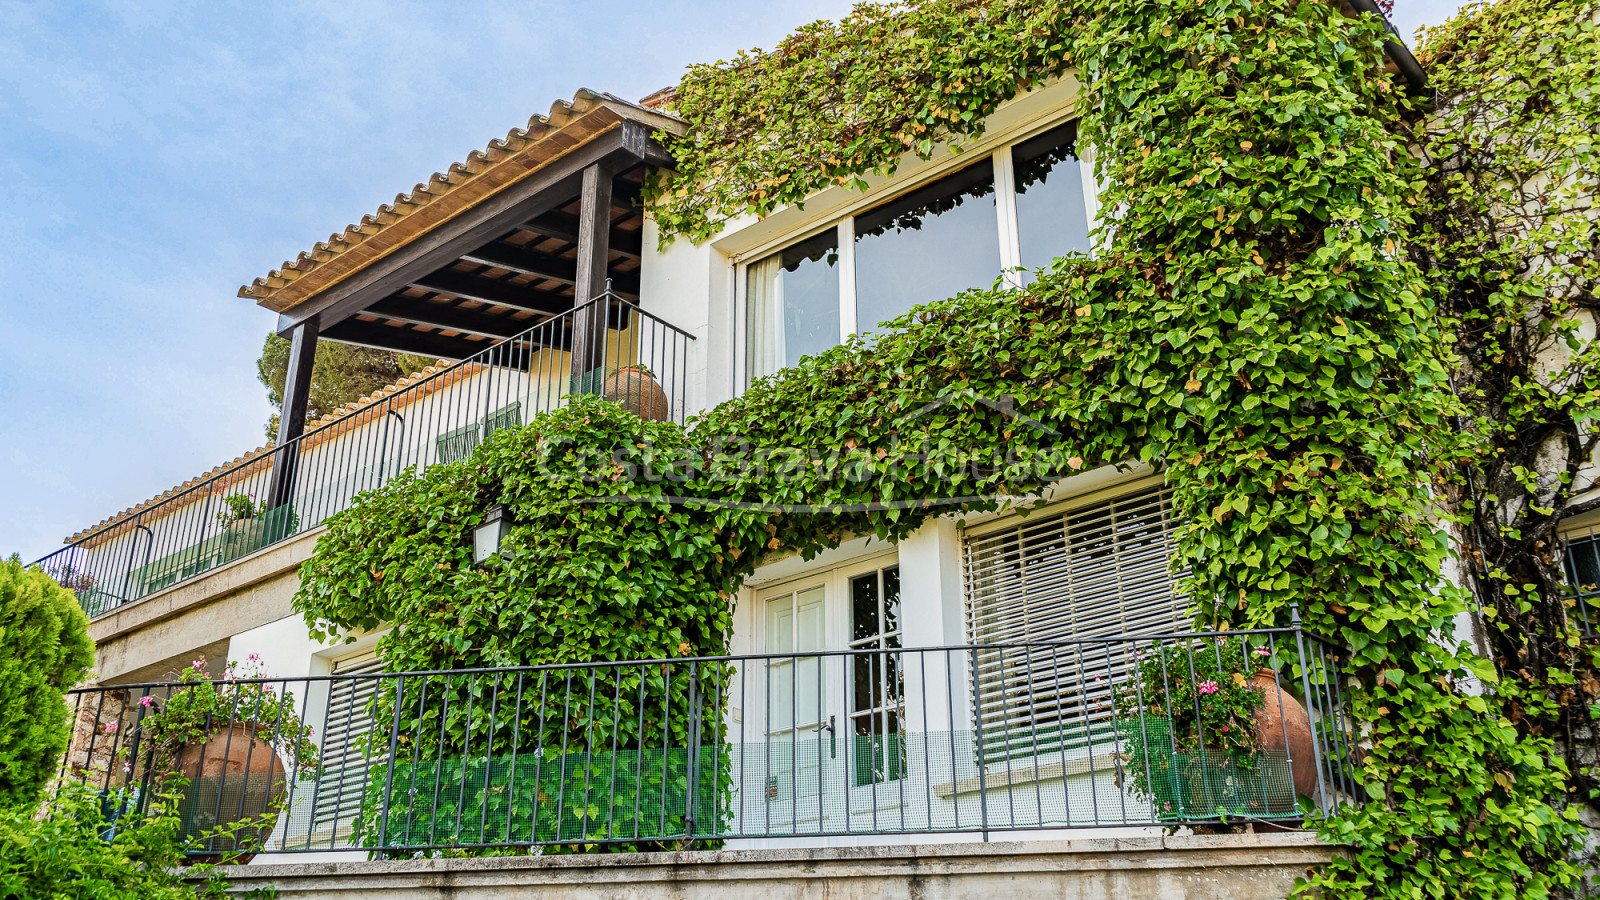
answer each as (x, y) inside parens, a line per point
(48, 652)
(836, 101)
(77, 851)
(238, 507)
(583, 581)
(1508, 236)
(340, 375)
(1252, 327)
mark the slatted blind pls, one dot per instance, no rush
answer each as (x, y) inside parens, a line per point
(1096, 571)
(344, 760)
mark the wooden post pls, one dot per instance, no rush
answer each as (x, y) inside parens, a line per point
(594, 251)
(292, 416)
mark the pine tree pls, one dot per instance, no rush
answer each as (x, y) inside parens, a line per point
(342, 373)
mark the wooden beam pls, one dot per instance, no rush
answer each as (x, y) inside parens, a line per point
(594, 258)
(526, 262)
(564, 226)
(543, 265)
(487, 290)
(439, 315)
(402, 340)
(292, 412)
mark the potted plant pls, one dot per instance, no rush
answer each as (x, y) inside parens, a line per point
(636, 390)
(236, 741)
(242, 525)
(1207, 732)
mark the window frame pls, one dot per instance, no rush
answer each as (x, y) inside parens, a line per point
(843, 223)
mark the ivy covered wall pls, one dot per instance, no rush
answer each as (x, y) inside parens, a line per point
(1259, 325)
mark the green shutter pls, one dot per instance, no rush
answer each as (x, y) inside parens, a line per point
(504, 417)
(457, 444)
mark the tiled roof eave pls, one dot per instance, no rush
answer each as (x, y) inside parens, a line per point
(501, 166)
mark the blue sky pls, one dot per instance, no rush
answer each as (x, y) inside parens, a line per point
(155, 156)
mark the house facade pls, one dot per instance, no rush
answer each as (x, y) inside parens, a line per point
(966, 685)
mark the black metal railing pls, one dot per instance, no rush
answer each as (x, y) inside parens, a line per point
(629, 356)
(1087, 733)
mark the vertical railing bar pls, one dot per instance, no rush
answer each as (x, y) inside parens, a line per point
(1116, 729)
(416, 760)
(368, 739)
(1005, 735)
(1316, 754)
(466, 756)
(638, 758)
(977, 721)
(1088, 737)
(588, 756)
(438, 764)
(488, 757)
(389, 760)
(927, 762)
(516, 743)
(1061, 734)
(666, 739)
(616, 726)
(538, 759)
(691, 777)
(1033, 733)
(1199, 726)
(1138, 693)
(566, 728)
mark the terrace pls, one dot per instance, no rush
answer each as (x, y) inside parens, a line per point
(519, 270)
(734, 750)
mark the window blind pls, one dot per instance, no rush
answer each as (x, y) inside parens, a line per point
(1097, 571)
(344, 765)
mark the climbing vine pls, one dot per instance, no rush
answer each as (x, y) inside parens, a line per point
(1260, 324)
(1507, 232)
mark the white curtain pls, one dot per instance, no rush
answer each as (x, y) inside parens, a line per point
(764, 315)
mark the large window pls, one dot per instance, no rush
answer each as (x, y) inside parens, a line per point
(1015, 210)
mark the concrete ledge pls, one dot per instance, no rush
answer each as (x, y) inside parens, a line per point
(1245, 867)
(136, 641)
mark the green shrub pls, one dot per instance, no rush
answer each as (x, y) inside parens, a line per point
(79, 851)
(46, 636)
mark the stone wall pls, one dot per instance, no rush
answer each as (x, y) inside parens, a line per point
(1240, 867)
(100, 726)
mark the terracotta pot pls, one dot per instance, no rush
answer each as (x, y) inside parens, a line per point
(1283, 724)
(233, 776)
(244, 537)
(637, 392)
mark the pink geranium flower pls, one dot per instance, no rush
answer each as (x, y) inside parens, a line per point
(1206, 687)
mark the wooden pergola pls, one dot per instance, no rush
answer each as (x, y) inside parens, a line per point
(529, 230)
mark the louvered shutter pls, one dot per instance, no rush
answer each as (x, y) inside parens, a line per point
(1095, 571)
(345, 762)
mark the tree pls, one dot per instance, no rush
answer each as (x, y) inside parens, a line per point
(46, 636)
(342, 373)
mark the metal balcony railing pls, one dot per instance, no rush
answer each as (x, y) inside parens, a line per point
(1087, 733)
(632, 357)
